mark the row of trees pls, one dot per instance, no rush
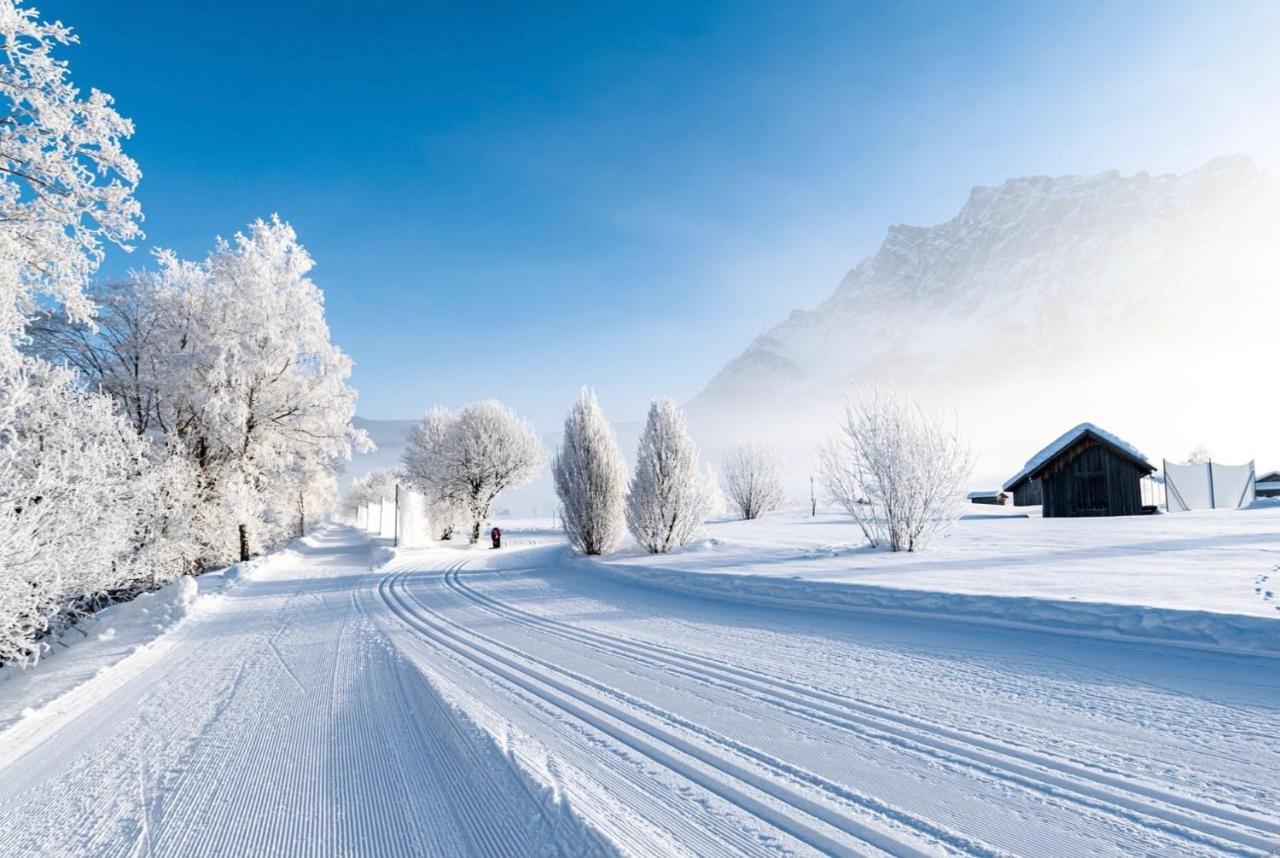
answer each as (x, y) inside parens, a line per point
(182, 418)
(668, 497)
(898, 469)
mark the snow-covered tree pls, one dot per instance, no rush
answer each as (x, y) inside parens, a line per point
(425, 469)
(751, 477)
(70, 473)
(256, 389)
(898, 469)
(1199, 456)
(590, 478)
(669, 495)
(486, 450)
(66, 185)
(70, 469)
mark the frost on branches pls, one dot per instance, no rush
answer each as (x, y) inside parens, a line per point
(751, 479)
(67, 184)
(590, 478)
(424, 469)
(461, 462)
(898, 469)
(670, 495)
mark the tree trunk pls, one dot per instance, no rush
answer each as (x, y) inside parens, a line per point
(475, 531)
(244, 542)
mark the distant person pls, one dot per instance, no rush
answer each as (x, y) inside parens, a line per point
(496, 536)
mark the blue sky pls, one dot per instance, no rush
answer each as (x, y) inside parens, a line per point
(509, 201)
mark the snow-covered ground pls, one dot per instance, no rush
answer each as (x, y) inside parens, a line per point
(1205, 578)
(685, 725)
(346, 699)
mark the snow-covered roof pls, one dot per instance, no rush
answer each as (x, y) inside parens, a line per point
(1269, 476)
(976, 495)
(1066, 440)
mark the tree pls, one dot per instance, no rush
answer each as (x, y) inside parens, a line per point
(487, 449)
(1199, 456)
(590, 478)
(751, 478)
(669, 493)
(897, 469)
(425, 469)
(256, 390)
(66, 185)
(69, 475)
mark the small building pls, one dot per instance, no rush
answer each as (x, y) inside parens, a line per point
(996, 498)
(1267, 485)
(1085, 472)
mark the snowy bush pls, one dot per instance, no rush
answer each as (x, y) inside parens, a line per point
(899, 470)
(751, 478)
(590, 478)
(670, 494)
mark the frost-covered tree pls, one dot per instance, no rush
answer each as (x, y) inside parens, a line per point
(670, 494)
(751, 478)
(66, 185)
(590, 478)
(425, 469)
(487, 449)
(1199, 456)
(256, 390)
(70, 469)
(897, 468)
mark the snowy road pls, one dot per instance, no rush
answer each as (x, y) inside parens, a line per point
(303, 715)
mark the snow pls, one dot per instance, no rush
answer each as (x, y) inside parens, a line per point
(1066, 440)
(102, 641)
(456, 701)
(1192, 578)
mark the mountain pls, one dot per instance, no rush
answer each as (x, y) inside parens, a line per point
(1044, 301)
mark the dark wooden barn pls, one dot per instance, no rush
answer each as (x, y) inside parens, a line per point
(1025, 492)
(1085, 472)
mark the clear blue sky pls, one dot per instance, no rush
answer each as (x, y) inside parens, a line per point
(511, 202)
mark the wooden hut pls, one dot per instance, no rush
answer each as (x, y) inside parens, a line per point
(994, 498)
(1085, 472)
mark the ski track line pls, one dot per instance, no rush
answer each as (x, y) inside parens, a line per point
(788, 770)
(986, 753)
(591, 711)
(604, 785)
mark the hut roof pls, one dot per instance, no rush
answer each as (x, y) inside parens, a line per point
(1070, 437)
(1269, 477)
(991, 494)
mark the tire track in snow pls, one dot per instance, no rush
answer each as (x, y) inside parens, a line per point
(1173, 812)
(810, 821)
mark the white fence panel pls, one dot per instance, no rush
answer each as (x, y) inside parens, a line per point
(1208, 486)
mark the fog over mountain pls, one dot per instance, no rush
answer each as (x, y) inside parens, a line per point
(1139, 302)
(1144, 303)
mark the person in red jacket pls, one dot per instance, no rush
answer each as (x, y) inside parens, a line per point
(496, 536)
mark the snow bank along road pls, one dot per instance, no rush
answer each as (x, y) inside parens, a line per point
(294, 718)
